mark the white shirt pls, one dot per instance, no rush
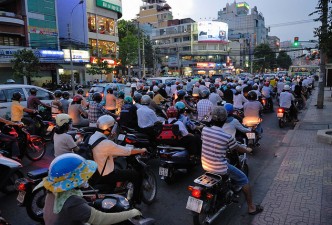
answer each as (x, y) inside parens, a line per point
(238, 101)
(232, 125)
(215, 98)
(146, 117)
(182, 127)
(280, 87)
(286, 99)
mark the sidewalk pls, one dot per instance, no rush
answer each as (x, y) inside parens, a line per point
(301, 192)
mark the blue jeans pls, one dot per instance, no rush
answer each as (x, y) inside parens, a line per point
(238, 177)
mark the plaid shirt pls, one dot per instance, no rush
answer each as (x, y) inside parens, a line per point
(204, 107)
(96, 110)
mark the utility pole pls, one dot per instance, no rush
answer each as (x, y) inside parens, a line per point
(143, 57)
(322, 75)
(139, 50)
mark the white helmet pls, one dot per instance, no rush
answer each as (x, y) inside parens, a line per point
(145, 100)
(238, 88)
(155, 88)
(105, 122)
(286, 87)
(62, 119)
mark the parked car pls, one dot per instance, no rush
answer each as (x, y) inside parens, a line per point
(6, 93)
(271, 76)
(102, 88)
(163, 80)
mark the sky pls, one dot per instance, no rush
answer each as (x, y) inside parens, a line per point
(275, 12)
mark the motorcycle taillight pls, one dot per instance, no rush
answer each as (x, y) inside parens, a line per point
(281, 110)
(129, 141)
(195, 191)
(21, 187)
(263, 101)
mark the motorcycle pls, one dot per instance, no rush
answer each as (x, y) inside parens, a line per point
(267, 107)
(284, 117)
(33, 146)
(43, 128)
(252, 138)
(213, 193)
(9, 172)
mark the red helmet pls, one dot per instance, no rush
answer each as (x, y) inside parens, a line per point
(172, 112)
(77, 98)
(267, 84)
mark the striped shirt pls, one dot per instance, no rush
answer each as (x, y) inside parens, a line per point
(215, 144)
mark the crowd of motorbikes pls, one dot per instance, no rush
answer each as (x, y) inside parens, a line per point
(209, 195)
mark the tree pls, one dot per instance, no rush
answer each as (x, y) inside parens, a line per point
(283, 60)
(264, 51)
(100, 68)
(25, 63)
(128, 50)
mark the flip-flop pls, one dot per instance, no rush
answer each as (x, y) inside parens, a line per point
(259, 209)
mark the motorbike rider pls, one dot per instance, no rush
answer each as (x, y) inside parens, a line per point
(228, 94)
(217, 141)
(65, 101)
(11, 140)
(33, 101)
(17, 110)
(96, 109)
(266, 92)
(63, 142)
(128, 114)
(137, 98)
(85, 103)
(232, 124)
(181, 96)
(158, 98)
(119, 102)
(286, 101)
(214, 96)
(64, 203)
(56, 104)
(110, 101)
(180, 106)
(252, 111)
(77, 113)
(204, 106)
(156, 108)
(238, 98)
(104, 153)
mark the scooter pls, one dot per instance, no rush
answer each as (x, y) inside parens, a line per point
(9, 172)
(284, 117)
(252, 137)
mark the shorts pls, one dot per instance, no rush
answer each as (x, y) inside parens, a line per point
(237, 175)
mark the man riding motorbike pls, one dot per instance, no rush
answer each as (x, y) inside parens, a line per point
(96, 109)
(286, 101)
(252, 111)
(266, 92)
(33, 102)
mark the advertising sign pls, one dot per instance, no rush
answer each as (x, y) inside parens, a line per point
(77, 55)
(206, 65)
(212, 31)
(114, 5)
(109, 61)
(49, 55)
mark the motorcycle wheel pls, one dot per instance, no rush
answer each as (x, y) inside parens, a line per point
(200, 218)
(281, 123)
(9, 187)
(36, 149)
(35, 204)
(149, 187)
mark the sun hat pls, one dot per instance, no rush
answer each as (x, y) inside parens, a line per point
(68, 171)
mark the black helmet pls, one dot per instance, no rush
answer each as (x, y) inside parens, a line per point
(65, 95)
(58, 93)
(33, 91)
(252, 95)
(212, 89)
(80, 91)
(137, 97)
(97, 97)
(205, 94)
(16, 96)
(110, 90)
(181, 93)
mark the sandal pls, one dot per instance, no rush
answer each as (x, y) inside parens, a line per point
(259, 209)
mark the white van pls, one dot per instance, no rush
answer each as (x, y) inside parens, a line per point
(163, 80)
(6, 93)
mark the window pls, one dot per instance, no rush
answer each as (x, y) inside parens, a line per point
(92, 22)
(10, 40)
(2, 97)
(186, 38)
(106, 25)
(9, 93)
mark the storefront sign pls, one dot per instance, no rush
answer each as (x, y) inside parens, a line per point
(114, 5)
(44, 31)
(77, 55)
(110, 61)
(7, 54)
(212, 31)
(49, 55)
(206, 65)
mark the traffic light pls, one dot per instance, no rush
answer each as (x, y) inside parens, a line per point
(296, 41)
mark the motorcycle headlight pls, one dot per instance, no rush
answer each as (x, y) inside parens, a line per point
(108, 203)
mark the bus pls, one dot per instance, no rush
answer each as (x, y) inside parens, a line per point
(304, 70)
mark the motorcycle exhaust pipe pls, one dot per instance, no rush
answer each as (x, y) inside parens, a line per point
(210, 220)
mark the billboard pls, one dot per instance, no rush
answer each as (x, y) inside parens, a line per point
(212, 31)
(114, 5)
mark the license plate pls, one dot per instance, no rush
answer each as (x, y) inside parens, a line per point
(129, 146)
(121, 137)
(280, 115)
(194, 204)
(163, 171)
(20, 197)
(251, 135)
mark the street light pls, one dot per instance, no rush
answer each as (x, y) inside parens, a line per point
(70, 46)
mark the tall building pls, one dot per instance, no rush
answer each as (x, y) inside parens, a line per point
(295, 53)
(155, 12)
(274, 43)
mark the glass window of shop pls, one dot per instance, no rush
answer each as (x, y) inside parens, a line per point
(92, 23)
(106, 25)
(10, 40)
(106, 48)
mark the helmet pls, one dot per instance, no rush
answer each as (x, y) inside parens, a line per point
(137, 97)
(205, 94)
(218, 114)
(105, 122)
(33, 91)
(97, 97)
(128, 100)
(68, 171)
(213, 89)
(151, 94)
(77, 98)
(65, 95)
(238, 88)
(121, 94)
(181, 93)
(229, 108)
(155, 88)
(267, 84)
(16, 96)
(255, 87)
(172, 112)
(110, 90)
(80, 91)
(58, 93)
(286, 87)
(62, 119)
(252, 95)
(180, 105)
(145, 100)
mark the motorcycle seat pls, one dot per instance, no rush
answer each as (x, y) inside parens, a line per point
(38, 174)
(171, 148)
(209, 179)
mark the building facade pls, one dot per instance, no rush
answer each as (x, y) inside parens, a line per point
(155, 12)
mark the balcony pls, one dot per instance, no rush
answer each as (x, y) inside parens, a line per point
(11, 18)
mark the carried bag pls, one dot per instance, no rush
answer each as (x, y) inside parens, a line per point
(168, 132)
(86, 149)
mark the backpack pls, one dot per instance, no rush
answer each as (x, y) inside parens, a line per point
(86, 149)
(168, 132)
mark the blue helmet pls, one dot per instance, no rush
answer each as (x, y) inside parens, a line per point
(229, 108)
(180, 105)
